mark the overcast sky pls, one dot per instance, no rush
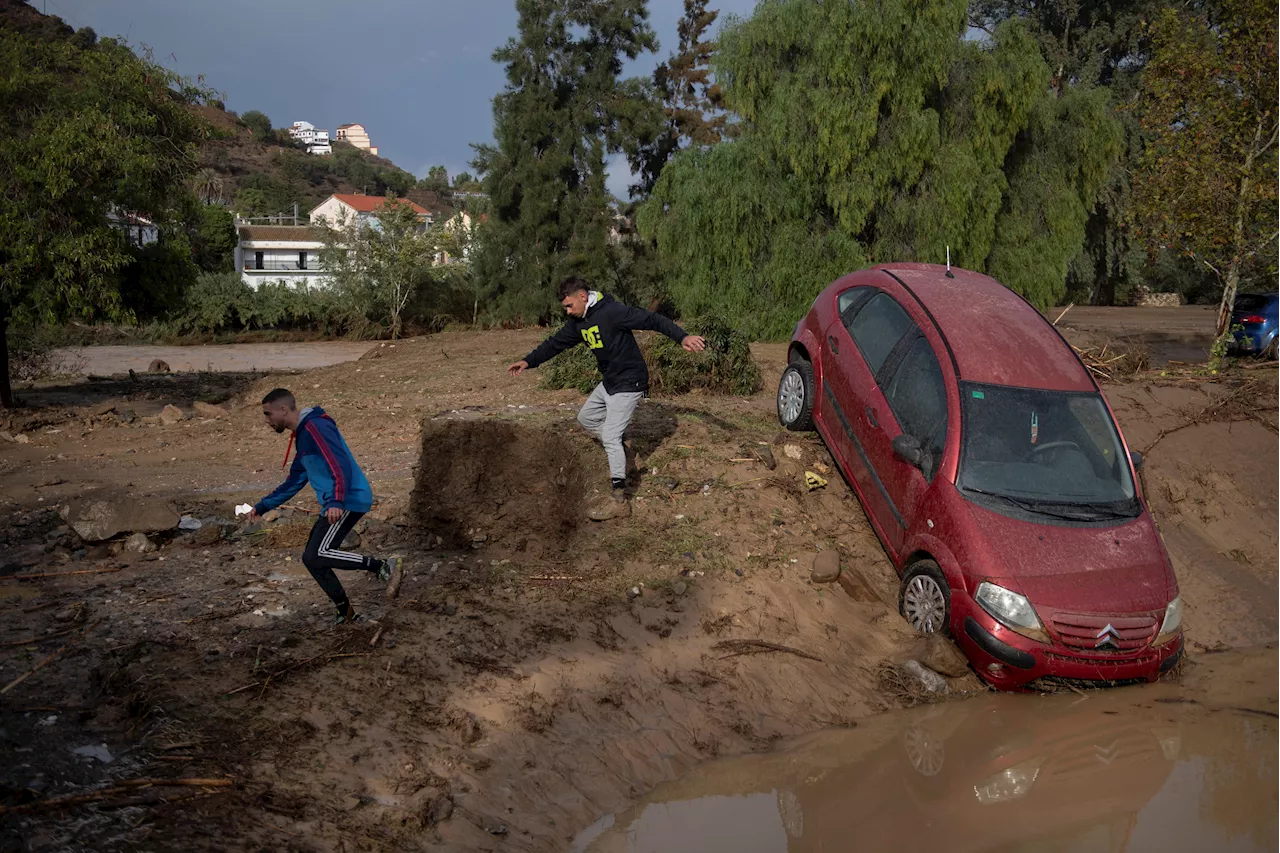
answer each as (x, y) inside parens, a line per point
(417, 74)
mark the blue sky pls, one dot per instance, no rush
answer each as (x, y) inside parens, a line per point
(416, 73)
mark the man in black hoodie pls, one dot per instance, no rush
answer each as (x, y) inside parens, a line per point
(606, 326)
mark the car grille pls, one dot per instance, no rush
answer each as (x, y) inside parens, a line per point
(1057, 684)
(1127, 634)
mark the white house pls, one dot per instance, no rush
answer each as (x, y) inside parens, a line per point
(267, 254)
(317, 141)
(356, 135)
(460, 223)
(346, 208)
(138, 230)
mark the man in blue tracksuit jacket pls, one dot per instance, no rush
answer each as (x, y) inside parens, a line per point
(324, 460)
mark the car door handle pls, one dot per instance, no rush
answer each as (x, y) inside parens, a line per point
(871, 417)
(835, 345)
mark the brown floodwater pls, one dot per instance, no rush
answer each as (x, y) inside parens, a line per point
(1167, 767)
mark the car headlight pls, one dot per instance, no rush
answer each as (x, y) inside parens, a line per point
(1172, 624)
(1012, 610)
(1008, 784)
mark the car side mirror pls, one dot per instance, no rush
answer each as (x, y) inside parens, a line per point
(908, 449)
(1136, 458)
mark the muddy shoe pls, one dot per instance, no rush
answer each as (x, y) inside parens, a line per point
(615, 505)
(346, 615)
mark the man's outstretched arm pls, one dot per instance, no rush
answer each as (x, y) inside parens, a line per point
(565, 338)
(291, 486)
(638, 319)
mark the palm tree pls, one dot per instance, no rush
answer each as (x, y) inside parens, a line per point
(208, 186)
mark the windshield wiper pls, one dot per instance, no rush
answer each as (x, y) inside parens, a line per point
(1038, 506)
(1108, 508)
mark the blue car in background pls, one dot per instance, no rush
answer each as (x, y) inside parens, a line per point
(1255, 314)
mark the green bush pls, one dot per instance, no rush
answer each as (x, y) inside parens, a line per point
(222, 302)
(726, 366)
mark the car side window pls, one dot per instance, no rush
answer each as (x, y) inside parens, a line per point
(877, 327)
(917, 396)
(848, 301)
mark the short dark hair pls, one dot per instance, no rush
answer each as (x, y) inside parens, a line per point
(570, 285)
(280, 395)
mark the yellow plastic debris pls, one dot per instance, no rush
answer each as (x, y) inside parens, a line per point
(813, 481)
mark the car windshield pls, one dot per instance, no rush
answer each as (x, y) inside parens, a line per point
(1252, 301)
(1048, 452)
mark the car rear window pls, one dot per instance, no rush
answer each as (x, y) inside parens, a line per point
(1252, 301)
(877, 328)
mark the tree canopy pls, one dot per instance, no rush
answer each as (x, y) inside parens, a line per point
(874, 134)
(92, 134)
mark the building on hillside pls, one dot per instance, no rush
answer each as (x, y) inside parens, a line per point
(267, 254)
(138, 230)
(459, 222)
(356, 135)
(317, 141)
(346, 208)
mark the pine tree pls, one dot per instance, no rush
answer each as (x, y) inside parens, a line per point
(692, 102)
(563, 111)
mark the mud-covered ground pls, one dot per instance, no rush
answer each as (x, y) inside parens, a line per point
(518, 688)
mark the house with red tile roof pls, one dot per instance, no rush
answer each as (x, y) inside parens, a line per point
(347, 208)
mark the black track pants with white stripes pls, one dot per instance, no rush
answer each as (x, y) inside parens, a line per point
(322, 556)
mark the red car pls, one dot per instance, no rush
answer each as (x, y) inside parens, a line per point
(991, 468)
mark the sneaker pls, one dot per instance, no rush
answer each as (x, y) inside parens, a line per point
(615, 505)
(394, 568)
(390, 566)
(346, 615)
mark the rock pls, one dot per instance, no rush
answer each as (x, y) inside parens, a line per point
(105, 514)
(189, 523)
(765, 455)
(932, 682)
(792, 451)
(103, 409)
(495, 827)
(50, 480)
(351, 541)
(158, 365)
(679, 587)
(68, 614)
(450, 609)
(6, 436)
(170, 415)
(941, 655)
(826, 567)
(439, 809)
(128, 416)
(138, 543)
(22, 438)
(272, 515)
(209, 534)
(208, 410)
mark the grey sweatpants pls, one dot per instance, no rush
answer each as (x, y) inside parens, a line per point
(606, 416)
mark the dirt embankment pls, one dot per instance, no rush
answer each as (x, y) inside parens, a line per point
(535, 672)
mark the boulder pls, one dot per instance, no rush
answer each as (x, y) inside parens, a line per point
(171, 414)
(930, 680)
(826, 567)
(208, 410)
(158, 365)
(102, 515)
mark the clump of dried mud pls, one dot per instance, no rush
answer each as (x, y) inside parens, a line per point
(499, 483)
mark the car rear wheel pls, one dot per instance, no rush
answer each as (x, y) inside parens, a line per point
(925, 598)
(795, 396)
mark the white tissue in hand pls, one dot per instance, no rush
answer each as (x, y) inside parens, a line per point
(243, 509)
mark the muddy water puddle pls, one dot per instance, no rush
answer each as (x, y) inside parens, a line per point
(1167, 767)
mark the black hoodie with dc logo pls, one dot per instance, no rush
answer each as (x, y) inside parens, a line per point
(606, 328)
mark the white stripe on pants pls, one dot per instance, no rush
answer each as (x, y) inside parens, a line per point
(606, 416)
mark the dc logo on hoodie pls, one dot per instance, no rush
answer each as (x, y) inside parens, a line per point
(592, 337)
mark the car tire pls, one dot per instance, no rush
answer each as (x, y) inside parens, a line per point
(924, 598)
(795, 396)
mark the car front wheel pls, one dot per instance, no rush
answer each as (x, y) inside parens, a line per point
(795, 396)
(925, 598)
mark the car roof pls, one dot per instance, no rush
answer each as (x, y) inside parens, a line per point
(995, 336)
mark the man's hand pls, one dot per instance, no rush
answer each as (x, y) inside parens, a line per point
(332, 514)
(253, 516)
(517, 368)
(693, 343)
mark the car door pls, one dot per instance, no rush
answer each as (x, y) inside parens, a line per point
(861, 342)
(916, 395)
